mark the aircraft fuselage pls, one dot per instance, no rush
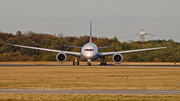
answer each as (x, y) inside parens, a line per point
(89, 52)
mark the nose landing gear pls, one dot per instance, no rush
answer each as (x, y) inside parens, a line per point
(89, 64)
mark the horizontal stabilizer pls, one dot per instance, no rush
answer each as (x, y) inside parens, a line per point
(106, 47)
(73, 46)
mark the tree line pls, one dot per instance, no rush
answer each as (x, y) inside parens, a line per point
(57, 42)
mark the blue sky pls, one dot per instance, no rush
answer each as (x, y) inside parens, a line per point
(120, 18)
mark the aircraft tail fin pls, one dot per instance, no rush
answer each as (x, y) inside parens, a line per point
(91, 31)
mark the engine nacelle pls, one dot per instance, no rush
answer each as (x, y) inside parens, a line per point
(117, 58)
(61, 57)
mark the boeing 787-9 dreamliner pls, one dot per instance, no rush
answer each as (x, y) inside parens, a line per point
(89, 52)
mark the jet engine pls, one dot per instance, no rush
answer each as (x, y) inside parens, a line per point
(61, 57)
(117, 58)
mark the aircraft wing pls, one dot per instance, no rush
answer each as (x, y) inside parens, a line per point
(131, 51)
(49, 50)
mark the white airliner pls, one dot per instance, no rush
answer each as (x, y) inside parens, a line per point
(89, 52)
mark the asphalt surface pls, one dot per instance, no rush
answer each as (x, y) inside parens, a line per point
(16, 65)
(89, 91)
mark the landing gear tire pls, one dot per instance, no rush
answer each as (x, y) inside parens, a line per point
(103, 61)
(89, 64)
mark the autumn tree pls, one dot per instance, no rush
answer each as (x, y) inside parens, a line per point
(43, 40)
(18, 33)
(26, 51)
(7, 48)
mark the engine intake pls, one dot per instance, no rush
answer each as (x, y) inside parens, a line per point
(61, 57)
(117, 58)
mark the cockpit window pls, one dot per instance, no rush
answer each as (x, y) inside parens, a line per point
(89, 50)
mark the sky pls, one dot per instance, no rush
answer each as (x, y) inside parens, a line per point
(120, 18)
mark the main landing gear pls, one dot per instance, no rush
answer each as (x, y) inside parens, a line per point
(76, 61)
(103, 61)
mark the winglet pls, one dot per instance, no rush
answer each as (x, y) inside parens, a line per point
(91, 31)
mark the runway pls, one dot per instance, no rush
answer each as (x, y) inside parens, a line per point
(89, 91)
(16, 65)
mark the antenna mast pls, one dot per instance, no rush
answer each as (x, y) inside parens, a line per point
(142, 33)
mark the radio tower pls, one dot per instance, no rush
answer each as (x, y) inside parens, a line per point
(142, 33)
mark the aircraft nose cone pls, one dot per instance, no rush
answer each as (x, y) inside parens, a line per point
(88, 55)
